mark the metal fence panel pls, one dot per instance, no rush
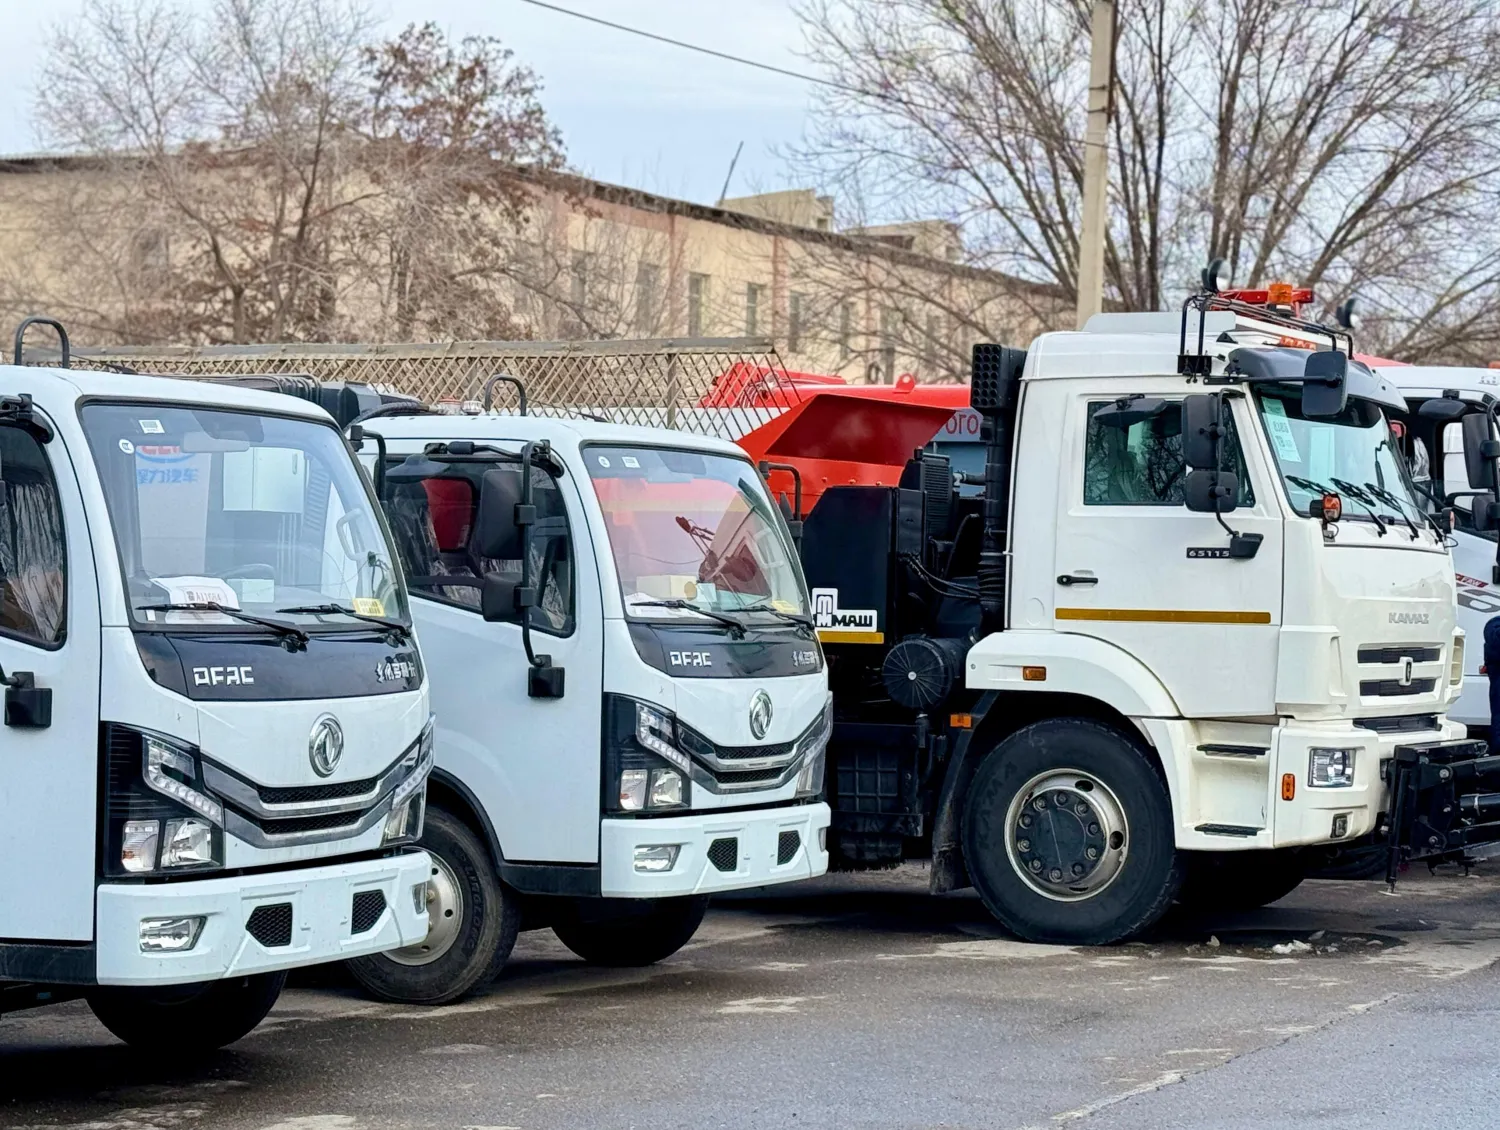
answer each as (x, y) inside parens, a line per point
(716, 386)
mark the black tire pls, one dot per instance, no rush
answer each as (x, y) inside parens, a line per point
(200, 1018)
(1239, 880)
(628, 932)
(1145, 864)
(459, 957)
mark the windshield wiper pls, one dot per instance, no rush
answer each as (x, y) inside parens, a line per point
(736, 627)
(395, 626)
(281, 627)
(790, 617)
(1390, 499)
(1363, 499)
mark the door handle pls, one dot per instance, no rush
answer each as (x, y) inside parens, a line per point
(1077, 579)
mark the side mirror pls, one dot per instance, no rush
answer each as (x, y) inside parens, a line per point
(1326, 390)
(1485, 512)
(1211, 492)
(1479, 451)
(497, 600)
(496, 533)
(1443, 408)
(1128, 411)
(1202, 427)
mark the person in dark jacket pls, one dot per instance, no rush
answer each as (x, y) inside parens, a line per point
(1492, 672)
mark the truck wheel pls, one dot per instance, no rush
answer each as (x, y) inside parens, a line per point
(1068, 834)
(623, 932)
(1239, 880)
(207, 1015)
(472, 924)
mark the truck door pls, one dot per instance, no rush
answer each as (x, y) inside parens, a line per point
(49, 626)
(1136, 568)
(533, 764)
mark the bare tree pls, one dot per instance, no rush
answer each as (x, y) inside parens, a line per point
(266, 170)
(1351, 146)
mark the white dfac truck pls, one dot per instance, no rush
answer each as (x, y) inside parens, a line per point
(1172, 650)
(216, 731)
(632, 706)
(1445, 425)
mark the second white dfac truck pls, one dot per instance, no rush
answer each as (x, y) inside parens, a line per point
(216, 734)
(632, 706)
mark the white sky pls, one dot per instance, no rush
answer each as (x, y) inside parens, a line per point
(631, 111)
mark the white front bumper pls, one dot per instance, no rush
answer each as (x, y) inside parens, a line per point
(758, 846)
(321, 899)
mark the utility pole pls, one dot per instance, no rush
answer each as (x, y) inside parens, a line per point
(1096, 161)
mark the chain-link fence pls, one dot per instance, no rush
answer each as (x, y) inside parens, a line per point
(715, 386)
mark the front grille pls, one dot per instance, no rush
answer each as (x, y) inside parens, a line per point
(1400, 724)
(366, 911)
(1395, 653)
(751, 778)
(744, 752)
(271, 925)
(325, 823)
(724, 853)
(314, 793)
(787, 846)
(1392, 688)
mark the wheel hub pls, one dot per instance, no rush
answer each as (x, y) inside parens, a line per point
(1066, 835)
(445, 916)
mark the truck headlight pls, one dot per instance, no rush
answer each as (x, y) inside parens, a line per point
(645, 771)
(814, 754)
(409, 798)
(1330, 768)
(159, 815)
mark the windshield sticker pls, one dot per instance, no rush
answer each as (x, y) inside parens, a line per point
(127, 447)
(369, 606)
(198, 590)
(151, 427)
(256, 590)
(630, 461)
(604, 461)
(1280, 429)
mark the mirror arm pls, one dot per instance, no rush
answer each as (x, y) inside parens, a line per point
(542, 679)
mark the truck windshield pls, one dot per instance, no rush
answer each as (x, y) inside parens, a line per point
(1352, 454)
(694, 536)
(266, 516)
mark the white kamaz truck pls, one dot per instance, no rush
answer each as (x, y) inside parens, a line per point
(632, 706)
(216, 734)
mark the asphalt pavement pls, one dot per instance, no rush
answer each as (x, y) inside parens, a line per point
(860, 1001)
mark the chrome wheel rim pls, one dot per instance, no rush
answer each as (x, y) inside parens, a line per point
(1066, 835)
(445, 916)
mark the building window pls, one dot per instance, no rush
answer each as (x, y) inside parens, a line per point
(580, 282)
(846, 330)
(889, 329)
(697, 304)
(647, 280)
(754, 295)
(794, 324)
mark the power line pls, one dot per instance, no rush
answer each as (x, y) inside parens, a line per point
(832, 84)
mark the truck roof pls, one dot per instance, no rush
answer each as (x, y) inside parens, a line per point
(1435, 379)
(79, 383)
(575, 431)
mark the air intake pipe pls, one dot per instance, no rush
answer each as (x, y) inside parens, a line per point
(994, 388)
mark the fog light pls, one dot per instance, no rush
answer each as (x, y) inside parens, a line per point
(633, 789)
(188, 843)
(666, 788)
(170, 935)
(656, 857)
(1330, 768)
(138, 845)
(1340, 827)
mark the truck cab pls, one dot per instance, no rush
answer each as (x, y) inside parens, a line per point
(1433, 442)
(217, 734)
(632, 702)
(1193, 632)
